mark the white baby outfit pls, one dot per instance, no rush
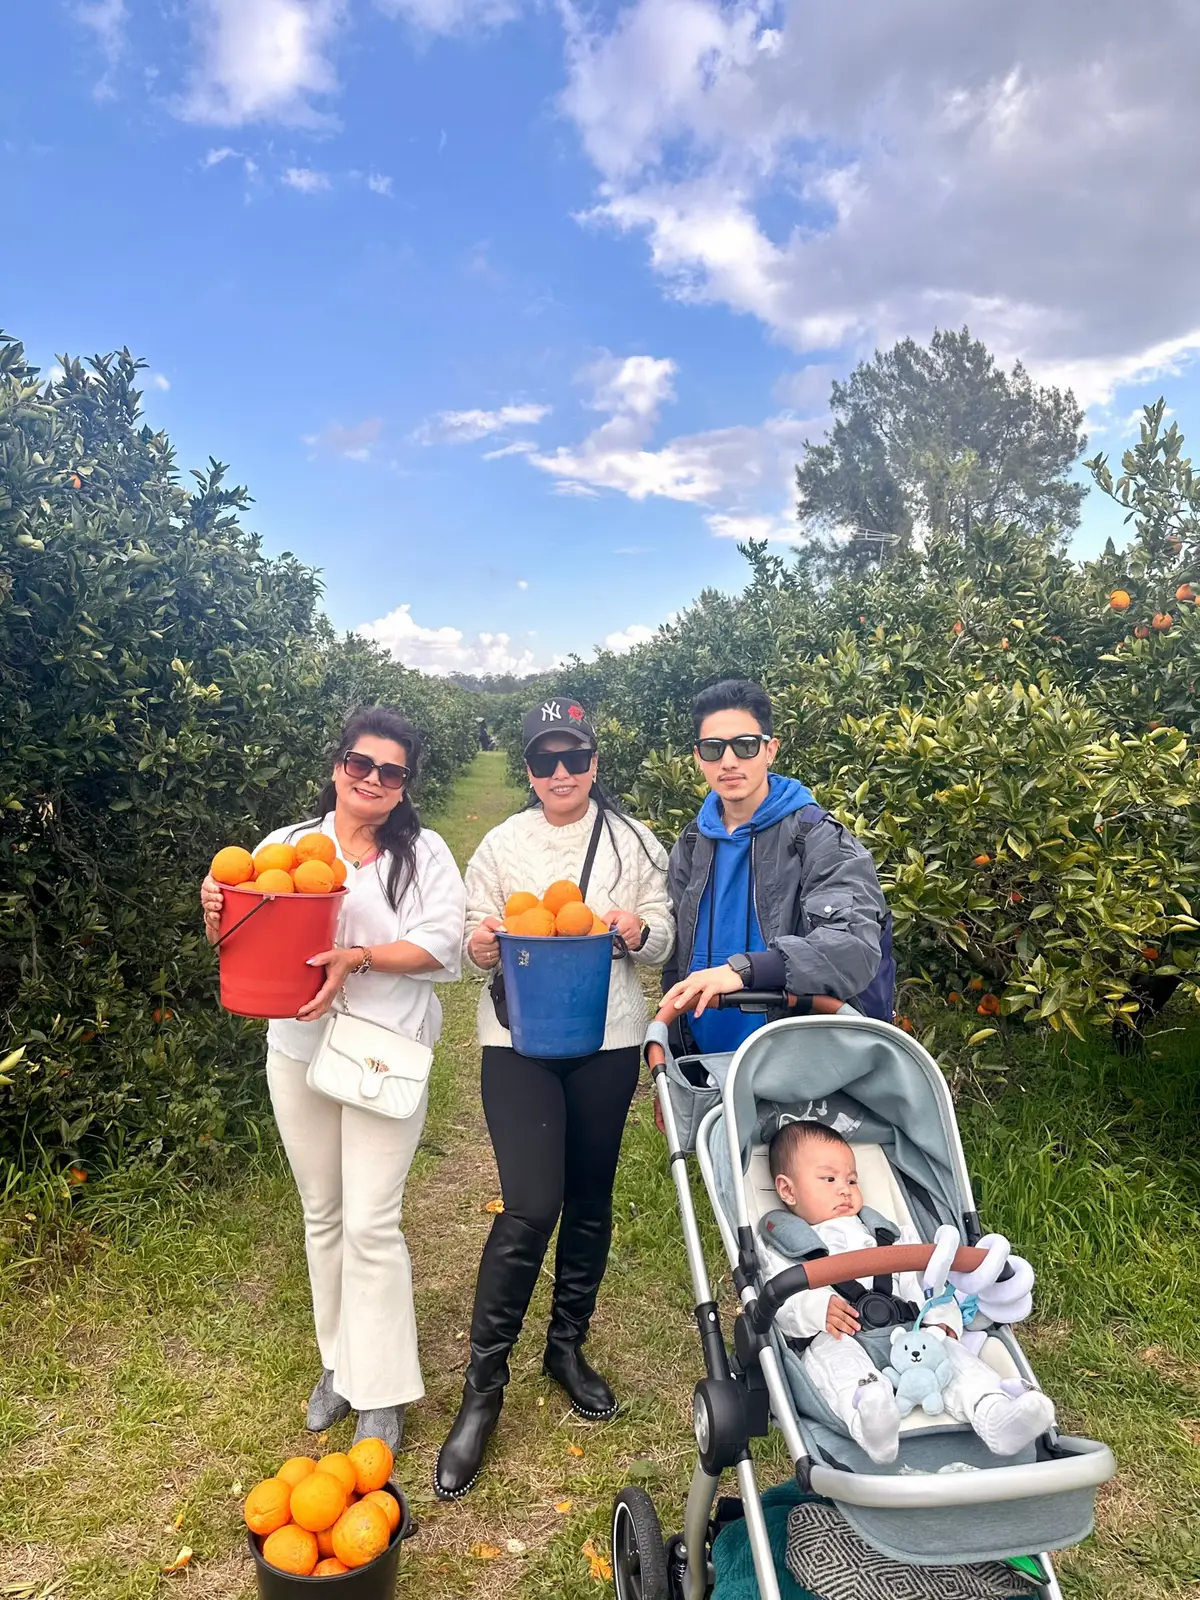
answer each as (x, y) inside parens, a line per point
(848, 1380)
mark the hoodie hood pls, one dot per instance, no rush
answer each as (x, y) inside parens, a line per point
(784, 795)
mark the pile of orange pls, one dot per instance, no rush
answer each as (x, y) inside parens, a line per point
(310, 866)
(319, 1519)
(560, 910)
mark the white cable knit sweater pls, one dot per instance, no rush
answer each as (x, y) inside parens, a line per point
(527, 852)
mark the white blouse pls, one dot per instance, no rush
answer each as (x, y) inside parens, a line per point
(430, 914)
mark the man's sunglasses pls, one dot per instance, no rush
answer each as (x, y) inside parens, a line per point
(544, 763)
(391, 775)
(745, 746)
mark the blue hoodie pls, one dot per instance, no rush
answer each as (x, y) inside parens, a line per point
(727, 921)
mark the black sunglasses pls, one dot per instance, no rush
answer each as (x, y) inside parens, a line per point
(745, 746)
(544, 763)
(391, 775)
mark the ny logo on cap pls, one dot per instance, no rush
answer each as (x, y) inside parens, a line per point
(551, 711)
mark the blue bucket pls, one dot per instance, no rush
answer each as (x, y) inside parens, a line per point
(556, 989)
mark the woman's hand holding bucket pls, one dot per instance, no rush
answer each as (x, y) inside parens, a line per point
(211, 899)
(483, 946)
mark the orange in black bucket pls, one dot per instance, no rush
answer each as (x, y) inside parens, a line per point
(265, 941)
(375, 1581)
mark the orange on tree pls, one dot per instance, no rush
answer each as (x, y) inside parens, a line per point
(388, 1504)
(975, 983)
(275, 881)
(331, 1567)
(268, 1506)
(559, 894)
(1162, 622)
(989, 1006)
(291, 1549)
(535, 924)
(520, 902)
(372, 1461)
(983, 860)
(1185, 594)
(232, 866)
(361, 1535)
(574, 920)
(338, 867)
(279, 856)
(1141, 631)
(316, 847)
(1120, 600)
(296, 1468)
(318, 1501)
(313, 877)
(339, 1465)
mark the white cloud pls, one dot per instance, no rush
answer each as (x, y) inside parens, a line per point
(628, 638)
(379, 183)
(106, 21)
(452, 16)
(354, 443)
(519, 447)
(214, 158)
(306, 180)
(261, 60)
(1018, 168)
(750, 526)
(465, 427)
(522, 583)
(442, 650)
(159, 380)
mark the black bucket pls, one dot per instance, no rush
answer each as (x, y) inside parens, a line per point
(375, 1581)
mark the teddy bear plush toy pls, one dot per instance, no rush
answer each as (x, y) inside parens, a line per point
(919, 1370)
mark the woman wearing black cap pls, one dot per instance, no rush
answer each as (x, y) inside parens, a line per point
(555, 1125)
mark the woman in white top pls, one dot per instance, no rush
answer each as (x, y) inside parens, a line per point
(555, 1125)
(399, 932)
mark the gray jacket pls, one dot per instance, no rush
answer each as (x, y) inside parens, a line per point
(820, 908)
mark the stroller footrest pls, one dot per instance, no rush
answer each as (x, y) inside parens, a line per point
(1082, 1464)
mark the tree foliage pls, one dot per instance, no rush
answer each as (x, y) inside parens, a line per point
(939, 440)
(165, 688)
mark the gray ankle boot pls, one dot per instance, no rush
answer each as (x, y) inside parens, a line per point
(387, 1424)
(325, 1405)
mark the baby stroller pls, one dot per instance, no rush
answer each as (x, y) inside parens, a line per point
(877, 1086)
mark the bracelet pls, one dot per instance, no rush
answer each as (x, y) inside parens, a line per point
(365, 964)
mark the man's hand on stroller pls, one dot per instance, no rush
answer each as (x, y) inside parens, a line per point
(841, 1318)
(699, 989)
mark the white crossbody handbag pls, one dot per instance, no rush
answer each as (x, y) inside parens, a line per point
(366, 1065)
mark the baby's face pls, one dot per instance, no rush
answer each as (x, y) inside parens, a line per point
(822, 1184)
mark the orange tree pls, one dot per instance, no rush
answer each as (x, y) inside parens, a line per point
(165, 688)
(1018, 753)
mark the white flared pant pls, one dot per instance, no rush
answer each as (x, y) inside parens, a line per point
(350, 1167)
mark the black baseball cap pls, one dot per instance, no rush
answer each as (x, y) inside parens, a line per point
(556, 716)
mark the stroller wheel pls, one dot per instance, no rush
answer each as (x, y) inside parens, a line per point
(639, 1556)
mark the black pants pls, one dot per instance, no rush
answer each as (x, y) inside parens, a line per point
(556, 1128)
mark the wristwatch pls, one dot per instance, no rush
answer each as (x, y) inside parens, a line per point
(641, 944)
(744, 968)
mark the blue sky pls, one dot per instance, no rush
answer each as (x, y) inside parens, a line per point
(514, 317)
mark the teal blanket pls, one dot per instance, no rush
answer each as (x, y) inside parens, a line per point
(733, 1563)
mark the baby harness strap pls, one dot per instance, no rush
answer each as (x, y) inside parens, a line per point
(877, 1306)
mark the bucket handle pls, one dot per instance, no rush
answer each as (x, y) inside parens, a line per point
(241, 922)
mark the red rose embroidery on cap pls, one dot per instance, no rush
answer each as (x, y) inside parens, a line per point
(575, 713)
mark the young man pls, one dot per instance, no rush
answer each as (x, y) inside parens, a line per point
(769, 892)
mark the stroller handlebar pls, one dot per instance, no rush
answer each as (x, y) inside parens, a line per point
(800, 1005)
(822, 1273)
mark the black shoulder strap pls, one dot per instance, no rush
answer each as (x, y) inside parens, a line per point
(589, 860)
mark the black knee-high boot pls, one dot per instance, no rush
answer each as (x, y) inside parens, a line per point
(508, 1272)
(584, 1235)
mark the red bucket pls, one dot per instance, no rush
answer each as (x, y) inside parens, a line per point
(265, 943)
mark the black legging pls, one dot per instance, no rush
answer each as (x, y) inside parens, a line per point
(556, 1128)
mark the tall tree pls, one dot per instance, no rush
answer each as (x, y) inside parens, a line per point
(938, 440)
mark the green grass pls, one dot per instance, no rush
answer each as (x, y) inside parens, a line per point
(155, 1364)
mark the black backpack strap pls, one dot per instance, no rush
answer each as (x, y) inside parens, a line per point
(589, 859)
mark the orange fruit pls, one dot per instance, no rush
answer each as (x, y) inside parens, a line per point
(560, 894)
(338, 867)
(372, 1461)
(291, 1549)
(1162, 622)
(329, 1568)
(519, 902)
(1120, 600)
(1185, 593)
(267, 1506)
(338, 1463)
(233, 865)
(535, 924)
(574, 920)
(296, 1468)
(325, 1543)
(600, 926)
(275, 881)
(982, 861)
(313, 877)
(387, 1503)
(989, 1006)
(280, 856)
(1141, 631)
(316, 847)
(361, 1535)
(318, 1501)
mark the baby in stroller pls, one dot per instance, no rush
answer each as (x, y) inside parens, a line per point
(815, 1176)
